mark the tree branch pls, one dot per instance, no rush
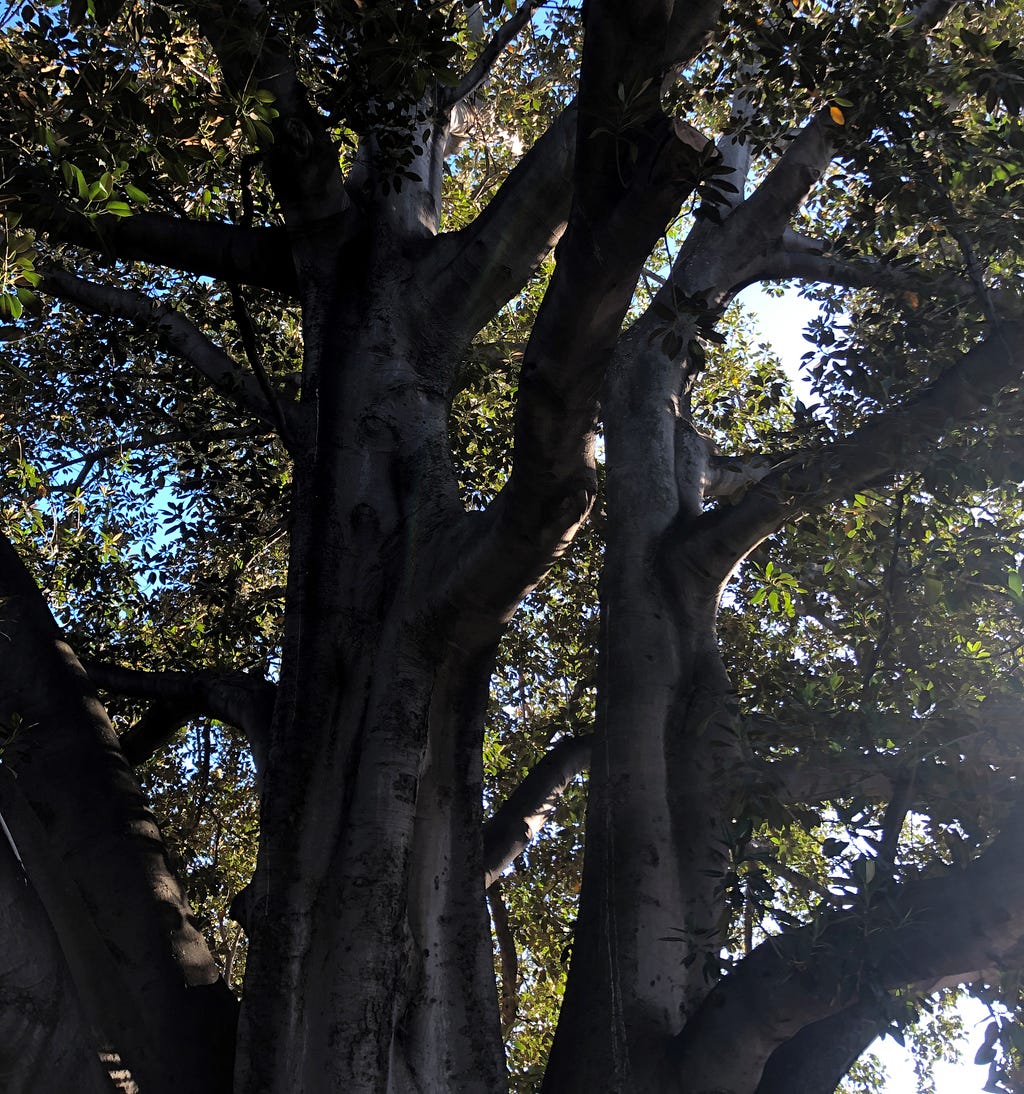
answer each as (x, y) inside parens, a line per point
(819, 1056)
(892, 441)
(210, 248)
(633, 169)
(152, 440)
(804, 259)
(924, 931)
(237, 698)
(69, 946)
(478, 74)
(179, 334)
(508, 957)
(73, 776)
(482, 266)
(303, 163)
(529, 807)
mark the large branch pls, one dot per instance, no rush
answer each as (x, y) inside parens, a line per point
(72, 775)
(210, 248)
(938, 929)
(237, 698)
(46, 1007)
(529, 807)
(892, 441)
(478, 269)
(179, 334)
(303, 165)
(633, 169)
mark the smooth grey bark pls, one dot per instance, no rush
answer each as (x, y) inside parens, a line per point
(525, 811)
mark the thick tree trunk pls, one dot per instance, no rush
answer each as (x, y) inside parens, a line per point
(651, 904)
(370, 967)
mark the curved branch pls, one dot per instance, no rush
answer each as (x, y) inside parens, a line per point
(237, 698)
(819, 1056)
(180, 335)
(922, 932)
(890, 442)
(509, 959)
(481, 267)
(73, 776)
(46, 1042)
(804, 259)
(478, 74)
(529, 807)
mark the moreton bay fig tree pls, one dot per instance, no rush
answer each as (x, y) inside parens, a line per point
(438, 650)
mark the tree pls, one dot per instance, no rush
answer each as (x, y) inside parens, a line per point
(280, 299)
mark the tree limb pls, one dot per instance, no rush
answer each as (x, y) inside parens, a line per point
(529, 807)
(482, 266)
(509, 959)
(819, 1056)
(891, 441)
(805, 259)
(303, 163)
(73, 776)
(179, 334)
(210, 248)
(478, 74)
(49, 980)
(237, 698)
(923, 931)
(631, 176)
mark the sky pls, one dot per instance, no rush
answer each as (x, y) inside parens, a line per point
(782, 321)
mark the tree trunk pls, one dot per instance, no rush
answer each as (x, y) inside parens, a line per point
(649, 928)
(370, 967)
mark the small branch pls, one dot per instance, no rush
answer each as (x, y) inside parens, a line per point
(237, 698)
(529, 807)
(508, 957)
(243, 320)
(478, 74)
(154, 440)
(764, 855)
(178, 333)
(803, 259)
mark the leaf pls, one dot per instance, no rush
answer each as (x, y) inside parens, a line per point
(837, 115)
(10, 306)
